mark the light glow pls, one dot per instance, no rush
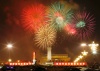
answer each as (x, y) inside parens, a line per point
(9, 46)
(70, 63)
(94, 47)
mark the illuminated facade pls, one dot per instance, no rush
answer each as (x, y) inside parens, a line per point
(56, 58)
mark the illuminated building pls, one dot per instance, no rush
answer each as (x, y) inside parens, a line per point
(56, 58)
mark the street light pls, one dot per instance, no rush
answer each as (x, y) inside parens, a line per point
(9, 46)
(83, 45)
(94, 47)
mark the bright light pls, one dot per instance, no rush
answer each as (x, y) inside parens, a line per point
(77, 59)
(80, 56)
(84, 53)
(94, 52)
(18, 61)
(83, 44)
(94, 47)
(69, 63)
(9, 46)
(9, 60)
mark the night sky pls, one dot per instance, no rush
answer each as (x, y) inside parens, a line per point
(11, 30)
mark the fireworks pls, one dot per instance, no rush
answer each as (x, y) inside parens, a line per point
(84, 24)
(33, 17)
(70, 29)
(45, 36)
(59, 15)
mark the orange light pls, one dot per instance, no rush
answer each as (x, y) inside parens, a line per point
(65, 63)
(69, 63)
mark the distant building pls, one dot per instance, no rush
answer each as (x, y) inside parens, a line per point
(56, 58)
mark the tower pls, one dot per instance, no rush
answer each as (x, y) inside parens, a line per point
(34, 60)
(49, 54)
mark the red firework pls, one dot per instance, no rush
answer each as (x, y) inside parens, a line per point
(33, 17)
(70, 29)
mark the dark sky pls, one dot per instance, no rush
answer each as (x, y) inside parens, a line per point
(23, 43)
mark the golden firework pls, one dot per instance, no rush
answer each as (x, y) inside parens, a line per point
(45, 36)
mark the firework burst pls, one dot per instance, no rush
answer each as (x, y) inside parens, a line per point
(45, 36)
(70, 29)
(33, 17)
(59, 14)
(84, 24)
